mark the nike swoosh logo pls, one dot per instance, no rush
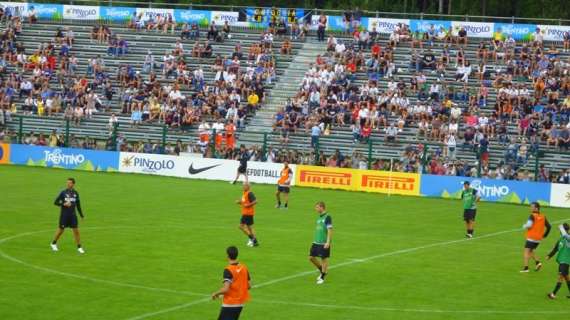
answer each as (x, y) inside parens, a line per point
(191, 170)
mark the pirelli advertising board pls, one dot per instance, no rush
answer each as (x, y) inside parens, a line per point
(358, 180)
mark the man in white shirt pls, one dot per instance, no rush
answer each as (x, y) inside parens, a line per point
(391, 133)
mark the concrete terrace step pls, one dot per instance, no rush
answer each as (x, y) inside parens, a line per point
(288, 86)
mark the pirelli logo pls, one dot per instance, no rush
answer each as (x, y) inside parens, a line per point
(325, 178)
(388, 183)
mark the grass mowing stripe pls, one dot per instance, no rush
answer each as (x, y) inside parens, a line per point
(363, 260)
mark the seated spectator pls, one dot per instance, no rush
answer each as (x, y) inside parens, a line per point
(213, 32)
(391, 133)
(208, 50)
(428, 60)
(185, 32)
(226, 31)
(286, 47)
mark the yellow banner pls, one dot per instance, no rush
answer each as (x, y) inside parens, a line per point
(323, 177)
(358, 180)
(4, 153)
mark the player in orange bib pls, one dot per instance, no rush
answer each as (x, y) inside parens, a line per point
(247, 203)
(537, 228)
(230, 130)
(237, 283)
(284, 185)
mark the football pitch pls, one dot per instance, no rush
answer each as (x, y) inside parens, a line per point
(156, 250)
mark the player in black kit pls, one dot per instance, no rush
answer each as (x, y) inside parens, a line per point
(242, 169)
(68, 200)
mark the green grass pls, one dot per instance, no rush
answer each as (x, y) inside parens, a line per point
(171, 234)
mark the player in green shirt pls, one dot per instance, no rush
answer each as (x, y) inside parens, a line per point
(470, 198)
(563, 259)
(321, 247)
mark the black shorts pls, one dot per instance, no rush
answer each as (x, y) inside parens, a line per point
(531, 245)
(68, 221)
(469, 214)
(230, 313)
(563, 269)
(242, 169)
(247, 220)
(318, 250)
(283, 189)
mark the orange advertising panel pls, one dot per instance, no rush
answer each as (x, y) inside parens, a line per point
(4, 153)
(359, 180)
(323, 177)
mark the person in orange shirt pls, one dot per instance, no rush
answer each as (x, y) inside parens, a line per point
(235, 290)
(283, 185)
(247, 203)
(537, 228)
(230, 135)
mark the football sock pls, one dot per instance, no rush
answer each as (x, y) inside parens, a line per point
(470, 231)
(536, 262)
(323, 275)
(279, 203)
(557, 287)
(251, 237)
(568, 285)
(78, 246)
(53, 242)
(286, 204)
(525, 268)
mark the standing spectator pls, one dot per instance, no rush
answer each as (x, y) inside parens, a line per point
(315, 134)
(322, 25)
(484, 151)
(451, 145)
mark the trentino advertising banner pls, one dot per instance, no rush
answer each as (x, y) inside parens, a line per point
(66, 158)
(509, 191)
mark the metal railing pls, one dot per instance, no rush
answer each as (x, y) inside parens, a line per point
(370, 149)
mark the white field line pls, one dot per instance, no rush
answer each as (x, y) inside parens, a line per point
(363, 260)
(297, 275)
(82, 277)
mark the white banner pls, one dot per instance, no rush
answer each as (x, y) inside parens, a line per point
(147, 13)
(474, 29)
(315, 22)
(553, 33)
(199, 168)
(220, 17)
(15, 8)
(80, 12)
(384, 25)
(560, 195)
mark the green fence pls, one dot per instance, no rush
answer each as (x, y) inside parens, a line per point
(370, 150)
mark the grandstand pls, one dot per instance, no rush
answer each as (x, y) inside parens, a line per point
(290, 71)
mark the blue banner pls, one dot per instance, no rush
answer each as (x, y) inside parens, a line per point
(47, 11)
(117, 13)
(425, 25)
(522, 32)
(201, 17)
(518, 192)
(66, 158)
(336, 23)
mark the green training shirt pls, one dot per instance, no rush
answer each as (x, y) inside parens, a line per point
(563, 250)
(469, 197)
(324, 222)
